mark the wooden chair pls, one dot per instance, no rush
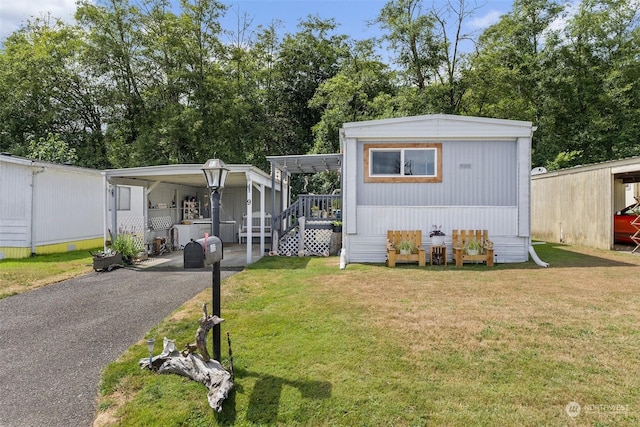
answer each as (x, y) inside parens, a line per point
(462, 238)
(418, 253)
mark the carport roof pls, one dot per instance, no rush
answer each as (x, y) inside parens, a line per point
(307, 163)
(184, 174)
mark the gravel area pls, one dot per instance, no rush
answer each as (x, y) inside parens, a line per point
(55, 340)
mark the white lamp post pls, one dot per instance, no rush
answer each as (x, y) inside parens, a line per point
(215, 171)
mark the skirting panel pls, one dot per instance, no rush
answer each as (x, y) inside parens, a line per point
(316, 242)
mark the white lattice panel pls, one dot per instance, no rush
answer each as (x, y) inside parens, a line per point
(133, 225)
(160, 223)
(288, 245)
(316, 242)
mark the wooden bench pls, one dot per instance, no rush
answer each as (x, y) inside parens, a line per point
(460, 240)
(418, 253)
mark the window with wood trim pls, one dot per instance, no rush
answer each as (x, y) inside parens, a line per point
(410, 162)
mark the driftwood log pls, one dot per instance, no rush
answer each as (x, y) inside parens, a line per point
(211, 373)
(198, 367)
(206, 323)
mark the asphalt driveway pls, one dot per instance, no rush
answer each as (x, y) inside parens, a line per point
(55, 340)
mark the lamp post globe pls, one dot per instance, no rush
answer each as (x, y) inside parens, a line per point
(215, 172)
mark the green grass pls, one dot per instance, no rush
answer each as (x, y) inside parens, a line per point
(21, 275)
(373, 346)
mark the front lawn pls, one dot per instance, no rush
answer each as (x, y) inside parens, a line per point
(21, 275)
(373, 346)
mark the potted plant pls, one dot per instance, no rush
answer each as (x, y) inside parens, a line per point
(473, 247)
(405, 247)
(104, 261)
(337, 226)
(437, 236)
(315, 211)
(335, 209)
(126, 247)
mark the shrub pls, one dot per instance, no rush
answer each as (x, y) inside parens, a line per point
(125, 246)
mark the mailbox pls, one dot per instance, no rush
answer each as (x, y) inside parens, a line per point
(212, 249)
(193, 257)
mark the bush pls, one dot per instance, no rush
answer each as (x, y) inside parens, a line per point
(125, 246)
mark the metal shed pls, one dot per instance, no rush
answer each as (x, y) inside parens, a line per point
(577, 205)
(478, 178)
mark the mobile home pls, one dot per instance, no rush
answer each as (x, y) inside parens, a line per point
(48, 207)
(451, 171)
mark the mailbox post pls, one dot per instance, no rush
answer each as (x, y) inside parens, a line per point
(215, 171)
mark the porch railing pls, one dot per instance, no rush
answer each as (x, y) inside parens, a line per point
(316, 207)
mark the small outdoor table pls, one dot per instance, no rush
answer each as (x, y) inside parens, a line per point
(438, 254)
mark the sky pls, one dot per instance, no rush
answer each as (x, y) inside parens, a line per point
(351, 15)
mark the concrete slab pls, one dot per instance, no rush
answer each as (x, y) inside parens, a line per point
(235, 258)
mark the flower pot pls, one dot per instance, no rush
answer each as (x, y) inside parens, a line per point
(102, 263)
(437, 240)
(337, 228)
(405, 251)
(473, 251)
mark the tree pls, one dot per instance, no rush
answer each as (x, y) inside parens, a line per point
(361, 90)
(429, 49)
(306, 60)
(506, 75)
(188, 94)
(168, 98)
(45, 91)
(452, 86)
(52, 149)
(112, 55)
(411, 33)
(592, 99)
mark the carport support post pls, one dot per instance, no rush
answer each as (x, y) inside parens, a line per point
(215, 286)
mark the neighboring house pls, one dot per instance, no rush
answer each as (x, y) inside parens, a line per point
(453, 171)
(48, 207)
(578, 205)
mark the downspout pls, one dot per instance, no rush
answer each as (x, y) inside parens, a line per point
(535, 257)
(32, 207)
(105, 212)
(114, 212)
(532, 251)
